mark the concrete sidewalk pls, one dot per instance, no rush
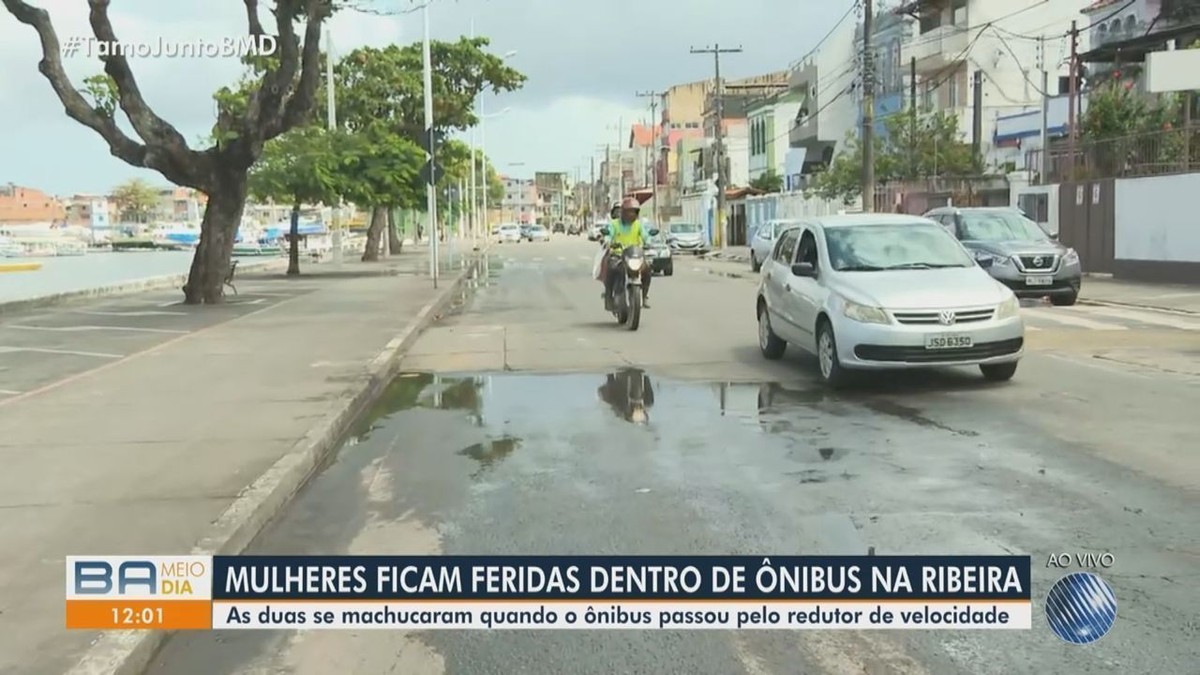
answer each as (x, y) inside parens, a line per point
(1168, 297)
(195, 442)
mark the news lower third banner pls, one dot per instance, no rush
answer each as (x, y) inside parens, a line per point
(547, 593)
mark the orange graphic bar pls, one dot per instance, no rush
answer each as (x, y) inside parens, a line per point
(139, 614)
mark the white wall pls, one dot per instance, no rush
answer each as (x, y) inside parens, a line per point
(737, 147)
(1156, 218)
(836, 70)
(785, 116)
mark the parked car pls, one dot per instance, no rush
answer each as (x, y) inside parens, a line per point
(575, 230)
(660, 256)
(878, 291)
(509, 233)
(559, 228)
(537, 233)
(688, 238)
(764, 240)
(1016, 251)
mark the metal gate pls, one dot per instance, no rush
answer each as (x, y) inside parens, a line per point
(1087, 222)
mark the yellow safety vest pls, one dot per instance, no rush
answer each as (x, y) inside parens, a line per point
(626, 235)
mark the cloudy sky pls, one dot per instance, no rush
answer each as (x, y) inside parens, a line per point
(585, 62)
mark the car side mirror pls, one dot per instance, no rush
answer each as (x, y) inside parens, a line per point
(1053, 236)
(654, 231)
(804, 270)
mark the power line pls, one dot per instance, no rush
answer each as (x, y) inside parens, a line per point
(853, 6)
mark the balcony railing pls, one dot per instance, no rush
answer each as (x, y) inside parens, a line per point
(1156, 153)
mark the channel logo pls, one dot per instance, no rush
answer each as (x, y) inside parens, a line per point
(173, 577)
(1081, 608)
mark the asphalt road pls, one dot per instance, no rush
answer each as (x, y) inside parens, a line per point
(504, 438)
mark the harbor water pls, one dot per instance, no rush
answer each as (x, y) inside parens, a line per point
(67, 274)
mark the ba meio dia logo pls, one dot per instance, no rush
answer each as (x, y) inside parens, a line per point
(1081, 608)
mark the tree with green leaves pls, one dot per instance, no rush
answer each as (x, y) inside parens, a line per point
(135, 200)
(280, 98)
(917, 145)
(381, 89)
(304, 166)
(768, 181)
(382, 169)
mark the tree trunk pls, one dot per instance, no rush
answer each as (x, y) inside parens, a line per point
(374, 234)
(210, 264)
(294, 242)
(395, 244)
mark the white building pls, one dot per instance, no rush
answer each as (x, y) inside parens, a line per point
(1008, 43)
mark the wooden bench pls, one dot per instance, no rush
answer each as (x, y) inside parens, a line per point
(228, 281)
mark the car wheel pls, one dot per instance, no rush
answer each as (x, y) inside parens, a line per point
(830, 366)
(772, 345)
(999, 372)
(669, 269)
(754, 264)
(1064, 300)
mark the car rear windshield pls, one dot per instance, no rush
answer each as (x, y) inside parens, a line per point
(1000, 226)
(893, 246)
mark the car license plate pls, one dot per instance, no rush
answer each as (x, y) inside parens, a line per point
(1039, 281)
(947, 341)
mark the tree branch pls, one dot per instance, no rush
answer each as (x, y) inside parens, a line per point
(255, 26)
(153, 129)
(299, 104)
(76, 106)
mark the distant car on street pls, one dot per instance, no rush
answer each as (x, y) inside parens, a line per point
(595, 233)
(878, 291)
(558, 228)
(687, 238)
(509, 233)
(537, 233)
(575, 230)
(764, 240)
(660, 256)
(1016, 251)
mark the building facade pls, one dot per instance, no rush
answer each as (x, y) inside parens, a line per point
(92, 211)
(520, 203)
(769, 124)
(955, 39)
(893, 73)
(22, 205)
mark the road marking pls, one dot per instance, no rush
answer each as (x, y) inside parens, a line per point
(1144, 317)
(148, 313)
(9, 392)
(1090, 362)
(84, 329)
(1058, 315)
(65, 352)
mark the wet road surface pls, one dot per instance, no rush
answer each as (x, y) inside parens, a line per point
(511, 434)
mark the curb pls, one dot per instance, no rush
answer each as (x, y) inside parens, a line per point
(1131, 305)
(123, 288)
(131, 652)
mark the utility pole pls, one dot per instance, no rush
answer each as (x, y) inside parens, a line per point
(592, 195)
(719, 134)
(430, 189)
(1073, 79)
(977, 116)
(1044, 165)
(331, 114)
(653, 96)
(915, 110)
(868, 113)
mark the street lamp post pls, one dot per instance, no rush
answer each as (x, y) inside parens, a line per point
(483, 142)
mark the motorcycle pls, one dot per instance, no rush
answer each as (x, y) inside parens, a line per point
(625, 302)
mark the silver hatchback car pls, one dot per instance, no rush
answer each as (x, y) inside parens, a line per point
(877, 291)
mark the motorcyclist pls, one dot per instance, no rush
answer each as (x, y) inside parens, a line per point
(629, 393)
(625, 230)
